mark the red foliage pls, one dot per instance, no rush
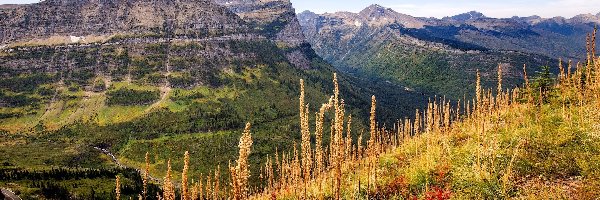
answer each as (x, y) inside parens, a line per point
(441, 189)
(438, 194)
(441, 173)
(398, 186)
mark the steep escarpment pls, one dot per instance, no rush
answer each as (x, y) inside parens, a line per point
(275, 18)
(143, 41)
(187, 18)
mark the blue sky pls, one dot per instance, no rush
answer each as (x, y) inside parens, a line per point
(442, 8)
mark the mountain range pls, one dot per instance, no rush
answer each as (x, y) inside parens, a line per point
(442, 55)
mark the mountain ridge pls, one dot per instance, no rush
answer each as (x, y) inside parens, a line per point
(471, 15)
(368, 46)
(569, 32)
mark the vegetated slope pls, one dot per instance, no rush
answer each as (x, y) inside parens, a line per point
(536, 142)
(83, 81)
(424, 51)
(539, 141)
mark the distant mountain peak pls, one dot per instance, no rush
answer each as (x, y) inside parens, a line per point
(306, 16)
(377, 15)
(535, 17)
(307, 12)
(472, 15)
(531, 20)
(375, 9)
(586, 18)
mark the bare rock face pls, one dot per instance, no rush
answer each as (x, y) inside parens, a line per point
(473, 15)
(183, 18)
(585, 18)
(376, 15)
(275, 18)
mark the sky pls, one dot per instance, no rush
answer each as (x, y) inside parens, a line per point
(442, 8)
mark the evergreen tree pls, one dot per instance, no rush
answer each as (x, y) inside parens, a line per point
(542, 84)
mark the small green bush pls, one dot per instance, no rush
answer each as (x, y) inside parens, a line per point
(125, 97)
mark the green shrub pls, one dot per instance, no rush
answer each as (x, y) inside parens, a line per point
(73, 87)
(183, 81)
(18, 100)
(124, 96)
(27, 83)
(99, 85)
(46, 91)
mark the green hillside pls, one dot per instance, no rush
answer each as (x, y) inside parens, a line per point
(539, 141)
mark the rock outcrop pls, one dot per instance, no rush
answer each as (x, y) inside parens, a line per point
(162, 18)
(276, 18)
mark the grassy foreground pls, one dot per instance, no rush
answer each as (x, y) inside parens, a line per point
(525, 145)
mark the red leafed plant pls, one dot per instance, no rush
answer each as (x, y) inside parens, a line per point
(441, 190)
(438, 193)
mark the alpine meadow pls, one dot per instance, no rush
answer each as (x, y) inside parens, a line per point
(255, 99)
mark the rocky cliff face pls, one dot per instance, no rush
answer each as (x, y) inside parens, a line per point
(182, 18)
(276, 18)
(216, 34)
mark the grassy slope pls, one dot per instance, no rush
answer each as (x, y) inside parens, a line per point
(441, 72)
(523, 151)
(554, 156)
